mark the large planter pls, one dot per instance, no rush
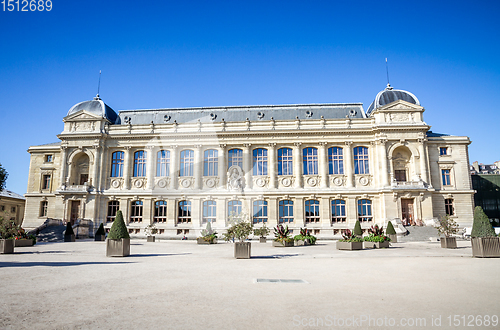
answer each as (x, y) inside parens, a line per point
(375, 245)
(201, 240)
(118, 247)
(69, 238)
(283, 244)
(151, 238)
(448, 242)
(262, 239)
(302, 242)
(23, 242)
(6, 246)
(349, 245)
(485, 247)
(100, 238)
(242, 250)
(394, 238)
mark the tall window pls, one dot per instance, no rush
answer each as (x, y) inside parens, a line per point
(233, 208)
(46, 181)
(210, 163)
(338, 211)
(312, 211)
(285, 161)
(113, 206)
(285, 211)
(335, 161)
(184, 212)
(310, 159)
(260, 161)
(136, 211)
(235, 157)
(43, 208)
(259, 211)
(361, 160)
(140, 163)
(160, 211)
(209, 211)
(365, 210)
(443, 151)
(117, 164)
(163, 163)
(448, 205)
(187, 161)
(400, 175)
(445, 175)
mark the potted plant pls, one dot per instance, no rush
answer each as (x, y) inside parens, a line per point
(22, 239)
(118, 241)
(349, 241)
(391, 233)
(208, 236)
(150, 231)
(447, 227)
(376, 238)
(100, 234)
(240, 230)
(304, 238)
(7, 231)
(282, 240)
(69, 234)
(262, 232)
(484, 242)
(357, 229)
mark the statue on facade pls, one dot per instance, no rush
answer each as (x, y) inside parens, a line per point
(235, 178)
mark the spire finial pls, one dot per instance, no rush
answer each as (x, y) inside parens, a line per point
(98, 86)
(387, 71)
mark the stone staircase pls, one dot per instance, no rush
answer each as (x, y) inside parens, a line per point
(54, 233)
(422, 234)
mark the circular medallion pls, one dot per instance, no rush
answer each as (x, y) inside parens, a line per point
(312, 181)
(363, 181)
(338, 181)
(210, 183)
(138, 183)
(115, 183)
(286, 182)
(186, 183)
(162, 183)
(260, 182)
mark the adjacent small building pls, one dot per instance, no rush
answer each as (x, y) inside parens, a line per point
(486, 183)
(12, 206)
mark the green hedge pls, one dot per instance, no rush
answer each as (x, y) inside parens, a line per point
(481, 226)
(390, 229)
(118, 229)
(357, 229)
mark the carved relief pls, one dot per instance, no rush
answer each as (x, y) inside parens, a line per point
(286, 181)
(399, 117)
(261, 181)
(235, 179)
(338, 181)
(312, 181)
(163, 182)
(186, 182)
(139, 183)
(211, 182)
(116, 183)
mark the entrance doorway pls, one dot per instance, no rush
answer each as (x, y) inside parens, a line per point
(75, 211)
(407, 212)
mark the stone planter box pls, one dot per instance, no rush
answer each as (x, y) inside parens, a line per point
(262, 239)
(69, 238)
(448, 242)
(349, 245)
(279, 244)
(151, 238)
(485, 247)
(242, 250)
(302, 242)
(23, 242)
(200, 240)
(6, 246)
(375, 245)
(100, 238)
(394, 238)
(118, 247)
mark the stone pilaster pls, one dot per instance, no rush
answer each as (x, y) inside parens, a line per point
(222, 166)
(174, 166)
(349, 169)
(150, 170)
(272, 165)
(323, 164)
(198, 166)
(127, 167)
(247, 165)
(297, 164)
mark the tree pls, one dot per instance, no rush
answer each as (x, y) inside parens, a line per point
(481, 227)
(357, 229)
(390, 229)
(3, 177)
(118, 229)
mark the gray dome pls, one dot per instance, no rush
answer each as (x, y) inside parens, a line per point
(389, 95)
(96, 107)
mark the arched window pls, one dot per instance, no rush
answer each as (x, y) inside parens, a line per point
(361, 160)
(113, 207)
(160, 211)
(285, 161)
(233, 208)
(163, 163)
(235, 157)
(312, 210)
(285, 211)
(335, 161)
(338, 211)
(210, 163)
(365, 210)
(209, 211)
(310, 159)
(184, 215)
(187, 161)
(117, 164)
(136, 211)
(259, 212)
(140, 163)
(260, 161)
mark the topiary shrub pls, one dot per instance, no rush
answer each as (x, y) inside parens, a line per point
(118, 229)
(390, 229)
(481, 227)
(100, 230)
(357, 229)
(69, 229)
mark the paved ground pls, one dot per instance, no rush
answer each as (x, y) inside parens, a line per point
(181, 285)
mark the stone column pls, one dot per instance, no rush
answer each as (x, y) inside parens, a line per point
(297, 164)
(323, 165)
(196, 210)
(272, 165)
(351, 211)
(298, 212)
(325, 216)
(222, 166)
(150, 171)
(171, 212)
(174, 167)
(349, 169)
(198, 167)
(247, 165)
(382, 153)
(272, 212)
(127, 168)
(97, 161)
(64, 155)
(147, 211)
(221, 212)
(423, 163)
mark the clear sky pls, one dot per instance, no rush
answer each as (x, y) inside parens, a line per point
(161, 54)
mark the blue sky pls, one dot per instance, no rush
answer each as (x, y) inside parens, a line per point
(161, 54)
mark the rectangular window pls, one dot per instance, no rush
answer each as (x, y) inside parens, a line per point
(400, 175)
(46, 181)
(160, 211)
(140, 164)
(448, 205)
(361, 165)
(445, 174)
(338, 211)
(235, 157)
(163, 163)
(184, 212)
(365, 210)
(260, 162)
(117, 164)
(210, 164)
(443, 151)
(310, 160)
(286, 211)
(113, 207)
(335, 161)
(312, 211)
(43, 208)
(187, 163)
(259, 212)
(209, 211)
(285, 161)
(13, 209)
(48, 158)
(136, 211)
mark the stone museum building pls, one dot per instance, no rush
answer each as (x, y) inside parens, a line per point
(320, 166)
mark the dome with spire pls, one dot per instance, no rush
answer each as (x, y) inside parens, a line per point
(96, 107)
(389, 95)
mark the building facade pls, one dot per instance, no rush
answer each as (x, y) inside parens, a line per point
(320, 166)
(12, 206)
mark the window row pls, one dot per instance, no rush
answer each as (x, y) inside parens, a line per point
(235, 157)
(260, 211)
